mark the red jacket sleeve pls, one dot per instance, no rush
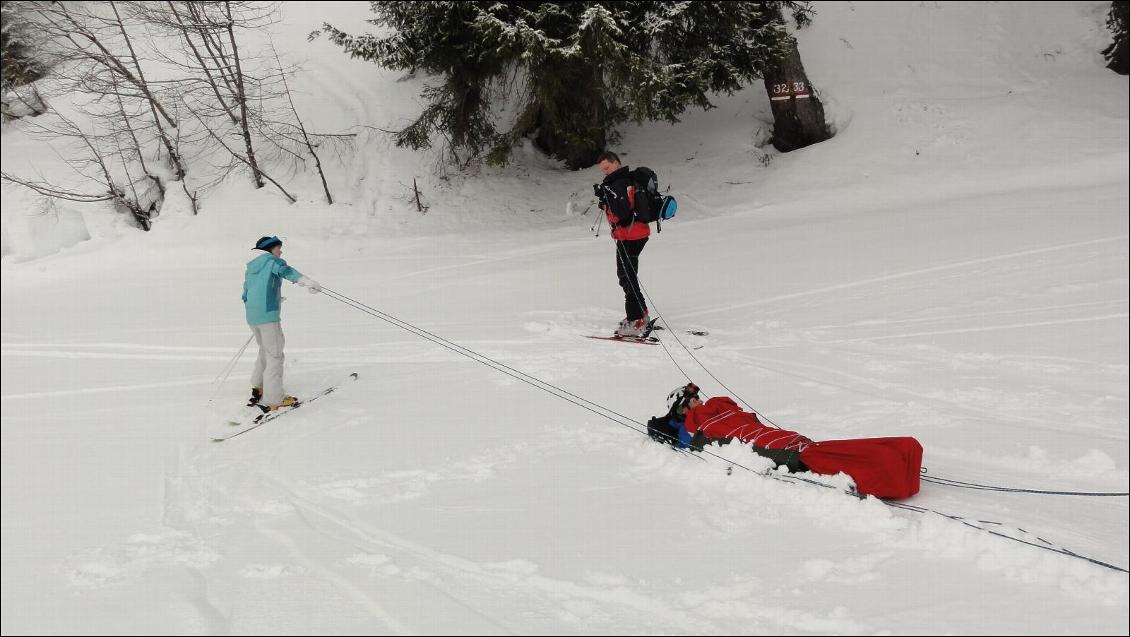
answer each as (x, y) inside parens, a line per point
(705, 414)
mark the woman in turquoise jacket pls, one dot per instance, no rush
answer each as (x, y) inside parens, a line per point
(262, 296)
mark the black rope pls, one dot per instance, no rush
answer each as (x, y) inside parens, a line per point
(974, 524)
(949, 482)
(651, 303)
(505, 369)
(624, 421)
(533, 381)
(545, 386)
(675, 333)
(1044, 544)
(622, 255)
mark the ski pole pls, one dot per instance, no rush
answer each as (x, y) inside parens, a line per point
(229, 368)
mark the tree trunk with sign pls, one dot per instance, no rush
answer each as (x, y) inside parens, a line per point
(798, 115)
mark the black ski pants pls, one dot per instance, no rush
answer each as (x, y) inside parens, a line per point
(627, 270)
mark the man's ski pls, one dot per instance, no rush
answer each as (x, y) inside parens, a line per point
(655, 326)
(266, 417)
(642, 340)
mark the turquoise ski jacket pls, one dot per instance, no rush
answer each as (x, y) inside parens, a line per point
(262, 287)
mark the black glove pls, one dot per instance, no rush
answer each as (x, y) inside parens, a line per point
(599, 193)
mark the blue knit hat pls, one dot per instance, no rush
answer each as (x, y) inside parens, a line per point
(267, 243)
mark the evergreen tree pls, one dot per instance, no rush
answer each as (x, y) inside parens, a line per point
(1118, 53)
(586, 66)
(440, 39)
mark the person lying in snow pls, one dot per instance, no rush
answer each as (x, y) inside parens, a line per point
(882, 467)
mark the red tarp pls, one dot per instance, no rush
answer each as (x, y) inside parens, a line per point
(882, 467)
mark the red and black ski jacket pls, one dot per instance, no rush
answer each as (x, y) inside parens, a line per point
(618, 202)
(720, 417)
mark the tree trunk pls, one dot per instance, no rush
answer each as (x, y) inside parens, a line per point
(187, 34)
(241, 98)
(468, 97)
(798, 115)
(574, 129)
(174, 156)
(306, 138)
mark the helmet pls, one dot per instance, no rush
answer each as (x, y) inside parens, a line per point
(266, 243)
(680, 396)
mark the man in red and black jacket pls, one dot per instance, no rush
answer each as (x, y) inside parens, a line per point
(617, 199)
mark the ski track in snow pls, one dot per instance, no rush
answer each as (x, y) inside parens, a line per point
(989, 328)
(891, 393)
(886, 323)
(415, 565)
(907, 274)
(371, 559)
(368, 553)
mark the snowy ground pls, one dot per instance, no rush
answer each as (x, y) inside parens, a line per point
(952, 266)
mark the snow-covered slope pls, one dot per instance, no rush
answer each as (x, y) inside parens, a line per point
(953, 265)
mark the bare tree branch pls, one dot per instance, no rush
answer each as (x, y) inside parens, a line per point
(56, 192)
(302, 129)
(236, 155)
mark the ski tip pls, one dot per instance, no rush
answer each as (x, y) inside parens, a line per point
(353, 375)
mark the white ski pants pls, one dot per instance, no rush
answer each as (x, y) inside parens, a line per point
(268, 372)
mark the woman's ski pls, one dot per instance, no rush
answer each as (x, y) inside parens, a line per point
(264, 418)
